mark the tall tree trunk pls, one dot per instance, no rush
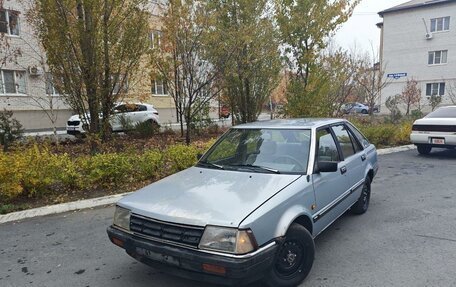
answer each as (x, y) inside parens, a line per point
(106, 98)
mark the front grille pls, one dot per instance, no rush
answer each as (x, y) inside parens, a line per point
(434, 128)
(74, 123)
(182, 234)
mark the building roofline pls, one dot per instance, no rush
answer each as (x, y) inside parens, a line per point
(403, 7)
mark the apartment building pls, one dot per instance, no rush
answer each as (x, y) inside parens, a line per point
(419, 42)
(26, 86)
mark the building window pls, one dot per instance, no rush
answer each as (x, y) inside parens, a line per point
(50, 87)
(158, 88)
(12, 82)
(437, 57)
(434, 89)
(440, 24)
(9, 22)
(155, 38)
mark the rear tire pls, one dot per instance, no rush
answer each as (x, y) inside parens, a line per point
(364, 111)
(424, 149)
(362, 204)
(293, 260)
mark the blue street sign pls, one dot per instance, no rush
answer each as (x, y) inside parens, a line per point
(396, 75)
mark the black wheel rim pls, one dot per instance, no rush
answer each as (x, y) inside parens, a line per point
(289, 259)
(366, 196)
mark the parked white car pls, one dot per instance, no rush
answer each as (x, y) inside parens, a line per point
(437, 129)
(122, 113)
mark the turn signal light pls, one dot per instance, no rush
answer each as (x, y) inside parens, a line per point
(214, 269)
(117, 242)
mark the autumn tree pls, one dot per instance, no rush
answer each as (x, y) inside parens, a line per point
(451, 91)
(342, 68)
(304, 30)
(411, 95)
(93, 49)
(434, 101)
(181, 60)
(371, 80)
(245, 50)
(392, 104)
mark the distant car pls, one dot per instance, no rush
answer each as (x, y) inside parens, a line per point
(437, 129)
(253, 204)
(355, 108)
(122, 113)
(360, 108)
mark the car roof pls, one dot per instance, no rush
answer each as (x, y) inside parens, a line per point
(302, 123)
(135, 103)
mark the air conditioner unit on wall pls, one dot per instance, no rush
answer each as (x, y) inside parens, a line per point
(428, 36)
(35, 71)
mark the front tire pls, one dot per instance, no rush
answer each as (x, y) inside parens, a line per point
(362, 204)
(424, 149)
(364, 111)
(294, 259)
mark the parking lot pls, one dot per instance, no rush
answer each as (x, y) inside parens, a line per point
(407, 238)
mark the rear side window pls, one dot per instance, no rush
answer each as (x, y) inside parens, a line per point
(327, 148)
(362, 139)
(141, 108)
(344, 140)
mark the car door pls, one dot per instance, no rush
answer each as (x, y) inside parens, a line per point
(116, 118)
(141, 114)
(354, 158)
(330, 187)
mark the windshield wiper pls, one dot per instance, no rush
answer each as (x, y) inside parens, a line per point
(210, 164)
(251, 166)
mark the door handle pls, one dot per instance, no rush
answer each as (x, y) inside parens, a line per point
(343, 169)
(363, 157)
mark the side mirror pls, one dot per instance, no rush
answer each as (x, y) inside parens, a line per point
(199, 156)
(327, 166)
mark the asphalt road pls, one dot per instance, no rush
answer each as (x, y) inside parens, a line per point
(407, 238)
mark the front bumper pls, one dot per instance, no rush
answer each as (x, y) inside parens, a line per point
(188, 263)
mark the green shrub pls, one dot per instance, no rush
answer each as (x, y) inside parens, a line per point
(10, 176)
(416, 114)
(150, 164)
(145, 129)
(179, 157)
(36, 172)
(387, 134)
(10, 129)
(40, 169)
(108, 170)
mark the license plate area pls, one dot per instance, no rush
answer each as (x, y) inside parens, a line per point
(71, 128)
(170, 260)
(438, 141)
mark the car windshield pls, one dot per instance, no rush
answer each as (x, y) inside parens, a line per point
(260, 150)
(448, 112)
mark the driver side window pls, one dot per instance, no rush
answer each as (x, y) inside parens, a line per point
(327, 148)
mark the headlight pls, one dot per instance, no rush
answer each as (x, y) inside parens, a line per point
(122, 218)
(230, 240)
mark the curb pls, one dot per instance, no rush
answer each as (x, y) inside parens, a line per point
(395, 149)
(111, 199)
(60, 208)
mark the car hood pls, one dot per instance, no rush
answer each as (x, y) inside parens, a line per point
(435, 121)
(201, 196)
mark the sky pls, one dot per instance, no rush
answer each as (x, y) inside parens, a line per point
(360, 30)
